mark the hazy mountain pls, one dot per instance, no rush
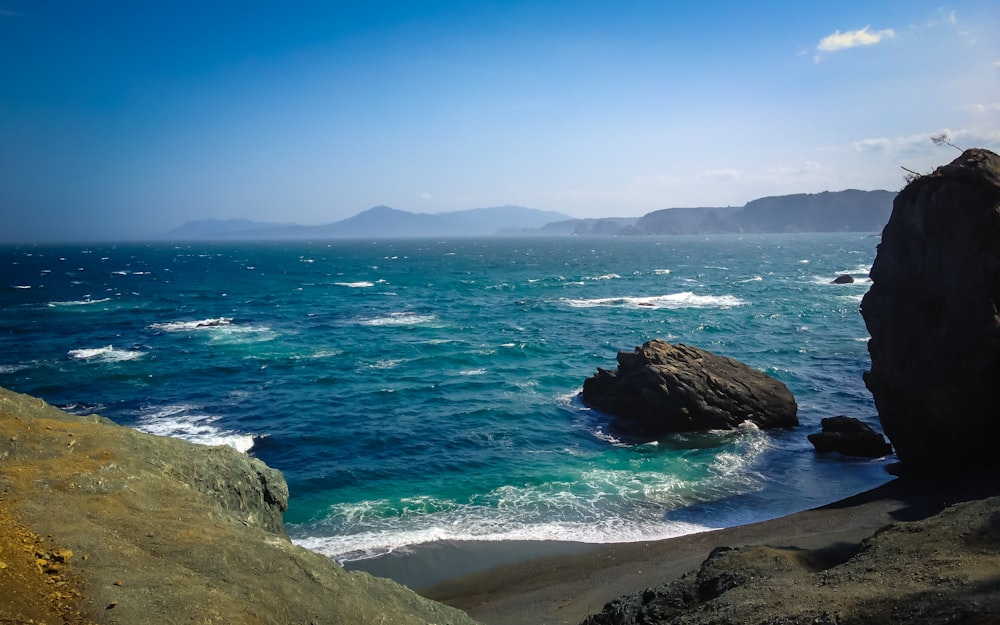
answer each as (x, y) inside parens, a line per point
(224, 228)
(830, 211)
(382, 222)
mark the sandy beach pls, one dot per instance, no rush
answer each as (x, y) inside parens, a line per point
(544, 583)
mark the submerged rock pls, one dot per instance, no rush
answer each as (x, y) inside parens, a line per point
(661, 388)
(933, 312)
(851, 437)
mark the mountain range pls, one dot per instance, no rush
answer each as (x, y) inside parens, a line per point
(850, 210)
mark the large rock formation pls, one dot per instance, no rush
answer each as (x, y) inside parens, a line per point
(661, 388)
(144, 529)
(933, 312)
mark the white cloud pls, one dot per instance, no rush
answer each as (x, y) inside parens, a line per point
(921, 142)
(425, 196)
(982, 108)
(853, 39)
(720, 175)
(804, 169)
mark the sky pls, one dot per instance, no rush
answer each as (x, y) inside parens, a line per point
(123, 120)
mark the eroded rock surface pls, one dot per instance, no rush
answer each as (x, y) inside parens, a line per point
(932, 312)
(661, 388)
(164, 531)
(939, 570)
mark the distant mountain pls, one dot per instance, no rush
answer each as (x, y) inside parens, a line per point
(382, 222)
(224, 228)
(830, 211)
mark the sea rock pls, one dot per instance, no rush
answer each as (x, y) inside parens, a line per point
(159, 530)
(851, 437)
(661, 388)
(843, 278)
(932, 313)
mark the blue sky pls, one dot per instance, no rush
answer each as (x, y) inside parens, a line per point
(123, 120)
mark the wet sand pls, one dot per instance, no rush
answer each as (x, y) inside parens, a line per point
(520, 583)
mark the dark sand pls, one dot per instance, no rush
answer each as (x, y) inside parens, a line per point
(564, 582)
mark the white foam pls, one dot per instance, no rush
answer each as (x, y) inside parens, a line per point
(21, 366)
(661, 272)
(198, 324)
(686, 299)
(82, 302)
(486, 524)
(600, 505)
(399, 319)
(473, 372)
(191, 424)
(105, 354)
(606, 276)
(22, 286)
(356, 285)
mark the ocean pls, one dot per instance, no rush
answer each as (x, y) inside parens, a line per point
(421, 390)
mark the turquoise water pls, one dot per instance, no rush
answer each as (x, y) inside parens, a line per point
(420, 390)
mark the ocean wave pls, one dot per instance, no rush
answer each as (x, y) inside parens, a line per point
(105, 354)
(485, 524)
(356, 285)
(191, 424)
(220, 330)
(399, 319)
(606, 276)
(21, 366)
(198, 324)
(626, 503)
(687, 299)
(81, 302)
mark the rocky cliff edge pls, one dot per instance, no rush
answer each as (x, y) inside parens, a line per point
(104, 524)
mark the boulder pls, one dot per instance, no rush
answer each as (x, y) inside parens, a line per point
(844, 278)
(661, 388)
(851, 437)
(932, 313)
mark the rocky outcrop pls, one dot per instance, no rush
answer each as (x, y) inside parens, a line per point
(844, 278)
(933, 312)
(850, 437)
(939, 570)
(661, 388)
(159, 530)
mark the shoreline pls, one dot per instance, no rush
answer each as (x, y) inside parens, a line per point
(549, 582)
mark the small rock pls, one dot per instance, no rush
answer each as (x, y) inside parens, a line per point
(843, 278)
(850, 437)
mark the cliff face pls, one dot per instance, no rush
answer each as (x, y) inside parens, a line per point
(932, 312)
(159, 530)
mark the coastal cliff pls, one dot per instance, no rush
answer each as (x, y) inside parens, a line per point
(104, 524)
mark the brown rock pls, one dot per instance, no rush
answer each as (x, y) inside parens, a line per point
(661, 388)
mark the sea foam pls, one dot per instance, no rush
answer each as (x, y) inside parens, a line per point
(686, 299)
(190, 423)
(105, 354)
